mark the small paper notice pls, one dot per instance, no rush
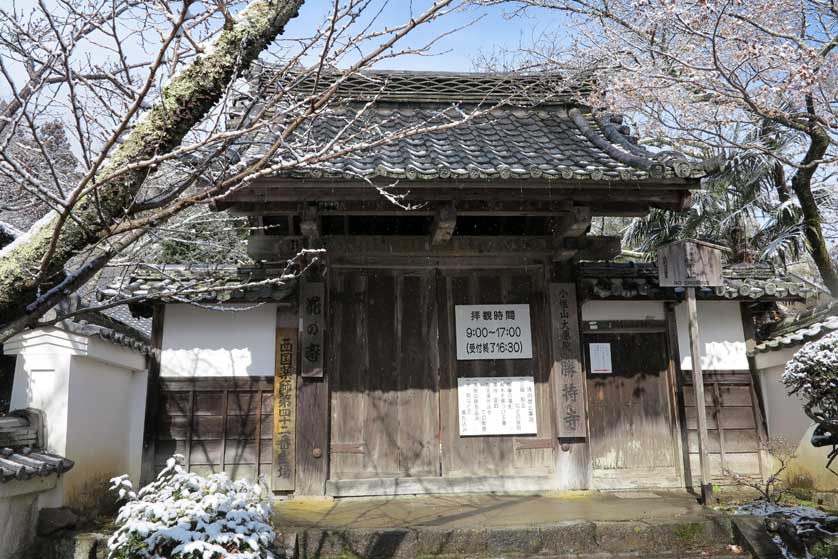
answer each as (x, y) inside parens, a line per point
(600, 359)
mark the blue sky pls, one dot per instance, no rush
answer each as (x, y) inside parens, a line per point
(492, 30)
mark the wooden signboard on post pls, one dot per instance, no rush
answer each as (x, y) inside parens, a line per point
(694, 264)
(567, 370)
(689, 264)
(285, 410)
(312, 323)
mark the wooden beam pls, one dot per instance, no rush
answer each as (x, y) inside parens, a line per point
(276, 249)
(484, 184)
(612, 199)
(380, 206)
(444, 223)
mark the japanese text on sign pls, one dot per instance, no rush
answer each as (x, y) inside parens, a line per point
(285, 384)
(496, 406)
(569, 377)
(312, 313)
(493, 332)
(600, 354)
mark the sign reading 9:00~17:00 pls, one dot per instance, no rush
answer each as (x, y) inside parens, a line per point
(493, 332)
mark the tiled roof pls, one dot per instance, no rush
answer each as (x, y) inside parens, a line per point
(394, 86)
(601, 280)
(802, 327)
(20, 456)
(520, 139)
(26, 463)
(197, 283)
(127, 339)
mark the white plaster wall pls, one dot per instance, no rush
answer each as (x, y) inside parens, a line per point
(622, 310)
(202, 342)
(785, 418)
(93, 395)
(784, 413)
(41, 381)
(779, 358)
(106, 416)
(721, 334)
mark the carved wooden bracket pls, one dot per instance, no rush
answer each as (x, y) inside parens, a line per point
(444, 223)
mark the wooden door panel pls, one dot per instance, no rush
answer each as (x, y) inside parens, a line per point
(347, 380)
(629, 410)
(384, 391)
(493, 455)
(418, 394)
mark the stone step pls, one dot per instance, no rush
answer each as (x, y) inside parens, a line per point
(707, 537)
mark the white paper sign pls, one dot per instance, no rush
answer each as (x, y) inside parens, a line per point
(600, 359)
(493, 332)
(496, 406)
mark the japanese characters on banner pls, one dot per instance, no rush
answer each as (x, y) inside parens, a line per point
(600, 354)
(493, 332)
(570, 378)
(496, 406)
(312, 319)
(285, 403)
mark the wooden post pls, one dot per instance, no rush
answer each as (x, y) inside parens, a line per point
(152, 399)
(284, 459)
(312, 408)
(700, 409)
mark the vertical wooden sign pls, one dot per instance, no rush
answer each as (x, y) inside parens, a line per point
(567, 372)
(285, 410)
(312, 323)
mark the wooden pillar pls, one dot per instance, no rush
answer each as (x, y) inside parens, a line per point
(313, 420)
(152, 397)
(749, 329)
(677, 388)
(698, 386)
(283, 470)
(573, 460)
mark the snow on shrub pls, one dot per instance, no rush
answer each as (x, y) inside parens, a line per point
(182, 515)
(813, 374)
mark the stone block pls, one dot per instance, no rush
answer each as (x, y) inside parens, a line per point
(53, 520)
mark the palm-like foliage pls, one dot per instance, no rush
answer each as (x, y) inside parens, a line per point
(745, 207)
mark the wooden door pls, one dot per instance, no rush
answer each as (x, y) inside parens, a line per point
(384, 391)
(494, 455)
(630, 414)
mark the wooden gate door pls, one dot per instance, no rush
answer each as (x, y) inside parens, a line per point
(384, 391)
(630, 412)
(511, 460)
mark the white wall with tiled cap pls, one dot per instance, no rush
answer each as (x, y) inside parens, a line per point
(92, 393)
(199, 342)
(786, 419)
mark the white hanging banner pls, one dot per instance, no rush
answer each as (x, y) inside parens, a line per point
(496, 406)
(493, 332)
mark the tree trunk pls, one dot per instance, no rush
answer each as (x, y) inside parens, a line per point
(801, 183)
(183, 103)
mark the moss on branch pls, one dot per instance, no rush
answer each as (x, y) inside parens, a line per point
(183, 103)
